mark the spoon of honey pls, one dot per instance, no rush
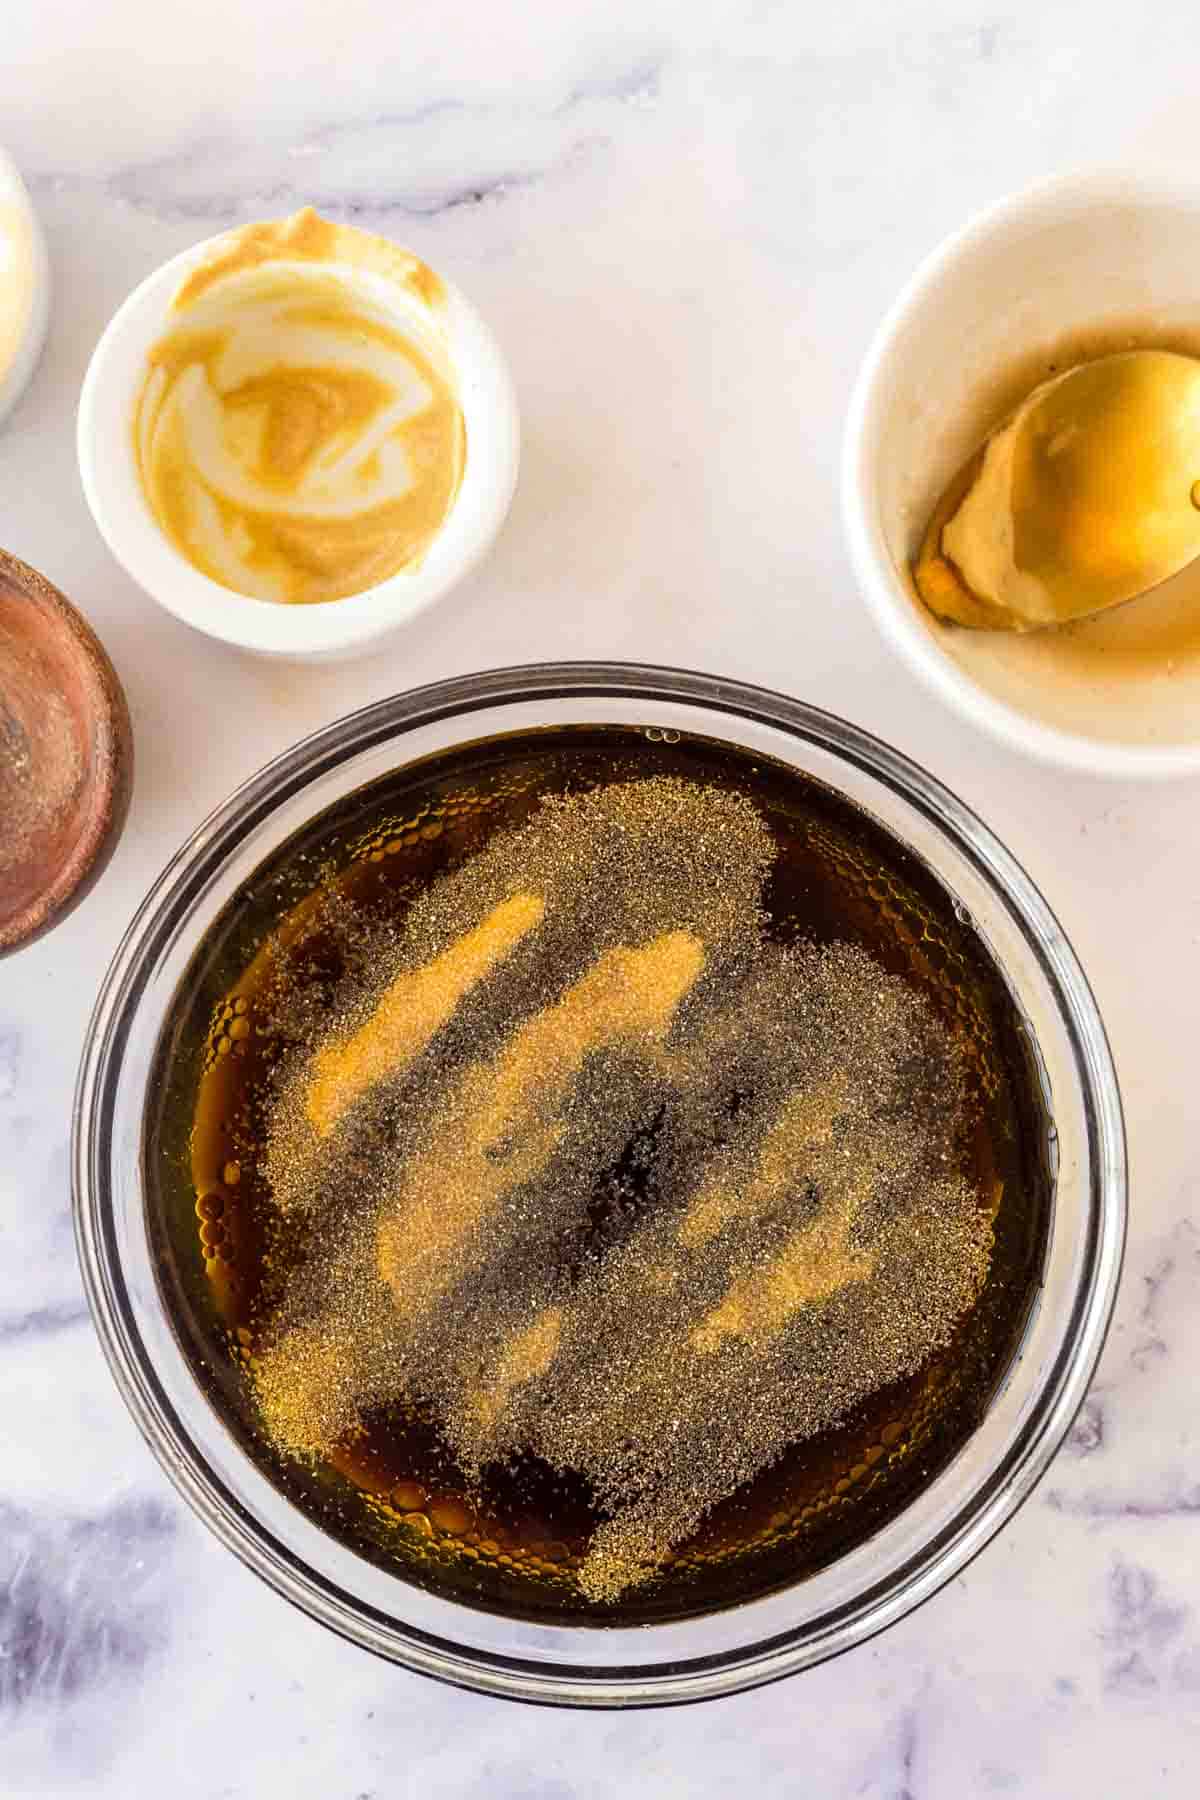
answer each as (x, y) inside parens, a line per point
(1086, 497)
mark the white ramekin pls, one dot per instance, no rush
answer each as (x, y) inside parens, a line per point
(330, 629)
(1086, 252)
(24, 234)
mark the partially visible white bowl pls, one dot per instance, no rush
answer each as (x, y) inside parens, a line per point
(334, 628)
(25, 270)
(1110, 255)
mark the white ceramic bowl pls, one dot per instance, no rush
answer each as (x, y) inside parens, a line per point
(25, 279)
(334, 628)
(1085, 262)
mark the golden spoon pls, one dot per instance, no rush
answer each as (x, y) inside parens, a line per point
(1087, 496)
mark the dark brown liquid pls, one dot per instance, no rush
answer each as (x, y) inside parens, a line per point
(512, 1543)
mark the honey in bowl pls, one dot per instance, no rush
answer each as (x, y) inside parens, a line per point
(597, 1177)
(298, 433)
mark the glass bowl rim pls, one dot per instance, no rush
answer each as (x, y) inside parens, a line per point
(987, 1507)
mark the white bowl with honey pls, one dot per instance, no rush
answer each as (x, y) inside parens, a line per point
(1070, 271)
(296, 436)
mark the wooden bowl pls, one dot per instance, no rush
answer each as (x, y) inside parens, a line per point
(66, 755)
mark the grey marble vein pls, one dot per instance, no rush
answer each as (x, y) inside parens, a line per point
(42, 1321)
(1086, 1435)
(10, 1061)
(1100, 1505)
(907, 1755)
(78, 1601)
(1147, 1637)
(338, 166)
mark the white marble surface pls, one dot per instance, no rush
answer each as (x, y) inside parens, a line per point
(683, 220)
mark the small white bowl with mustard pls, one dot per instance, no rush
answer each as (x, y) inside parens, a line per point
(1086, 267)
(296, 436)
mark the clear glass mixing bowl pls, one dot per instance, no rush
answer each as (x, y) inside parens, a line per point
(863, 1591)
